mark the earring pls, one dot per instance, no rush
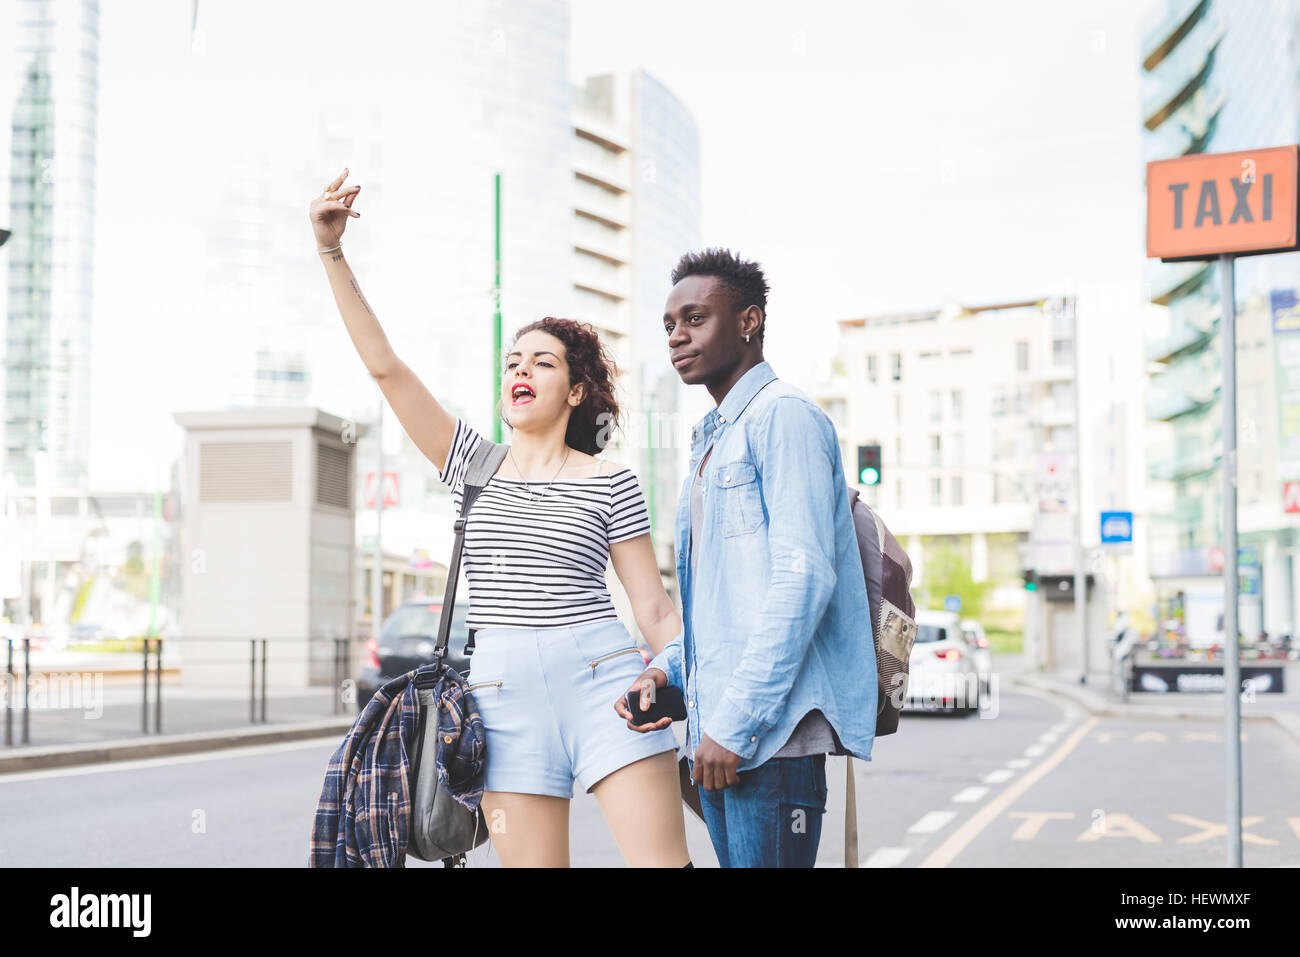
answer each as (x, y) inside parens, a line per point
(746, 338)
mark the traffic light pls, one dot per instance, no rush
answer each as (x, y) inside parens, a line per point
(1031, 580)
(869, 464)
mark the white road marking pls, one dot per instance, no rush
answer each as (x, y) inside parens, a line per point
(1000, 775)
(970, 794)
(932, 822)
(1156, 736)
(1017, 763)
(957, 841)
(1060, 726)
(1047, 737)
(887, 857)
(1034, 750)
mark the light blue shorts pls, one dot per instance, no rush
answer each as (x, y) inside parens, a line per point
(547, 700)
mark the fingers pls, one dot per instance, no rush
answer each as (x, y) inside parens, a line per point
(337, 181)
(335, 204)
(647, 693)
(348, 195)
(620, 705)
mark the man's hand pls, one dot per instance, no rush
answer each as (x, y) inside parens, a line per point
(715, 766)
(646, 683)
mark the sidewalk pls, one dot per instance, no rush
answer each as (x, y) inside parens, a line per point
(1098, 698)
(109, 728)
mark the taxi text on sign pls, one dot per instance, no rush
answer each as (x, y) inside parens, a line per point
(1205, 205)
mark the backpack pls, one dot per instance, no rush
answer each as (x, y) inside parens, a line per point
(888, 572)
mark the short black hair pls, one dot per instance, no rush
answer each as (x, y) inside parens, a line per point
(744, 279)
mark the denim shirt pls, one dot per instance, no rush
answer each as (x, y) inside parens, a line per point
(777, 623)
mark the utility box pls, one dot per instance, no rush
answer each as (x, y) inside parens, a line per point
(268, 545)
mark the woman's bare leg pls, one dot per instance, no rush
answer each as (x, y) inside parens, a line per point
(528, 830)
(642, 804)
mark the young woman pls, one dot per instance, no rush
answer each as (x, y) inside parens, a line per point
(550, 652)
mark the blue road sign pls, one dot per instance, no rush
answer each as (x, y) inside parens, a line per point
(952, 603)
(1116, 528)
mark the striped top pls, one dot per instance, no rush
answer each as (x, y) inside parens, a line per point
(541, 563)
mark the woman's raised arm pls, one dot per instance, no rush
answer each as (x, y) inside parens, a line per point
(428, 424)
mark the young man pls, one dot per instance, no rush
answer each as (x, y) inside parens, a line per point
(776, 654)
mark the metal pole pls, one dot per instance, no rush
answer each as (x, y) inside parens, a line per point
(9, 693)
(144, 693)
(496, 310)
(1080, 573)
(157, 686)
(27, 673)
(338, 672)
(263, 681)
(155, 581)
(252, 680)
(1232, 659)
(377, 574)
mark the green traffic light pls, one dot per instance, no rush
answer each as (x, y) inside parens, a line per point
(869, 476)
(1031, 586)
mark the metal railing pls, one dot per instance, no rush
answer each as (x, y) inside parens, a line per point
(52, 690)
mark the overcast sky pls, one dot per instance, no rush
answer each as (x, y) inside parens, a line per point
(883, 155)
(873, 156)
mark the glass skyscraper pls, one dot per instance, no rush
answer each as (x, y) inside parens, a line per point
(46, 401)
(1217, 77)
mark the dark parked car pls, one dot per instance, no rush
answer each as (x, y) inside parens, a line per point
(406, 641)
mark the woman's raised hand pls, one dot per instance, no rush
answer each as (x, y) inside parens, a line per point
(330, 211)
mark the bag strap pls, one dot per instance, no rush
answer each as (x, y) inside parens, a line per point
(483, 464)
(850, 815)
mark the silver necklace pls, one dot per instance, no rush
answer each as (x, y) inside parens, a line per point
(527, 487)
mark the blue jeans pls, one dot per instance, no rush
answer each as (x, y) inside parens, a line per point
(773, 817)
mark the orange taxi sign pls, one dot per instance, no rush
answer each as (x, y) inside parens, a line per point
(1205, 205)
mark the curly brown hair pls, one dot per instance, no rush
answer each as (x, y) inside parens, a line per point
(591, 422)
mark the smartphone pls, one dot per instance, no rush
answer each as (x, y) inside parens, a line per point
(669, 702)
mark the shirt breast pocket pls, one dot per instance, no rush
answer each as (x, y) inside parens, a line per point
(742, 504)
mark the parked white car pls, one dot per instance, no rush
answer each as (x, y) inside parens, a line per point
(942, 675)
(979, 649)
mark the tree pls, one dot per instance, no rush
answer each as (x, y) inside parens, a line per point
(948, 573)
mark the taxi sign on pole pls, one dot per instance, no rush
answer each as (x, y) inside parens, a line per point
(1208, 204)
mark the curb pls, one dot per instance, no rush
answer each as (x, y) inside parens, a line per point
(129, 749)
(1097, 705)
